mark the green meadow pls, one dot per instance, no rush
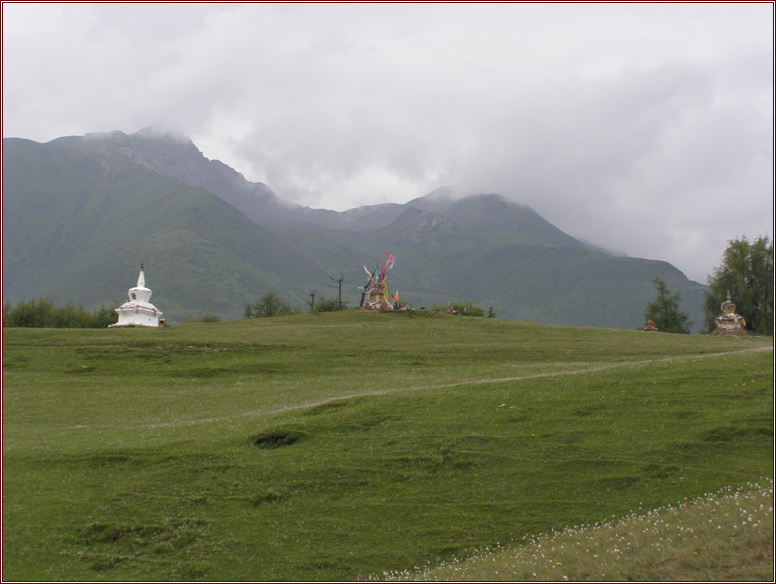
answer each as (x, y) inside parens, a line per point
(343, 445)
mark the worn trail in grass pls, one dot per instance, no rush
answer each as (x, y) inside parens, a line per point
(337, 446)
(562, 369)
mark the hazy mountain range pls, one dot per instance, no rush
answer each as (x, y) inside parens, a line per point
(81, 213)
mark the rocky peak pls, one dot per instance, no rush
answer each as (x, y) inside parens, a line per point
(418, 226)
(170, 154)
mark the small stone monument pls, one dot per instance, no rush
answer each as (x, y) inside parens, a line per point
(729, 323)
(650, 326)
(138, 311)
(376, 300)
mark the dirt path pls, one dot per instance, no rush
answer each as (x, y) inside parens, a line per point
(581, 371)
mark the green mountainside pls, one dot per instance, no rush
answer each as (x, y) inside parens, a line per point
(80, 214)
(78, 231)
(535, 273)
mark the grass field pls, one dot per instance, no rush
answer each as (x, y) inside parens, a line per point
(723, 536)
(338, 446)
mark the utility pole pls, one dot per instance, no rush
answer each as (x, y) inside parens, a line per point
(339, 281)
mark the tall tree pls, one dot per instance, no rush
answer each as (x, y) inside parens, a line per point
(664, 310)
(747, 272)
(268, 305)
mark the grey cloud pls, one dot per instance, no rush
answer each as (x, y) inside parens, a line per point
(645, 127)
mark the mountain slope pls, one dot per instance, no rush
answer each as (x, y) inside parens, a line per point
(77, 227)
(498, 253)
(172, 155)
(493, 214)
(81, 213)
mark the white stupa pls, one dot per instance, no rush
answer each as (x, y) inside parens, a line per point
(138, 311)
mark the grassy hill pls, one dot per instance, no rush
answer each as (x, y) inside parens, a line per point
(725, 536)
(336, 446)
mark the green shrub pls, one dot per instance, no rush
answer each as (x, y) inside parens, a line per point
(269, 305)
(42, 313)
(209, 317)
(466, 308)
(328, 305)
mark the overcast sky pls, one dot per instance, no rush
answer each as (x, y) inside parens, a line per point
(642, 128)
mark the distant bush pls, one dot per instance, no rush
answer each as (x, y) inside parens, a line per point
(42, 313)
(328, 305)
(466, 308)
(203, 318)
(269, 305)
(209, 318)
(664, 311)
